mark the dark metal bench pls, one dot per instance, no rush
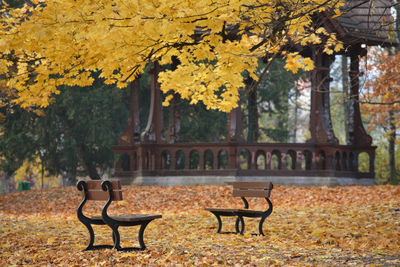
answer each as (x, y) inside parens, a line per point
(110, 191)
(243, 190)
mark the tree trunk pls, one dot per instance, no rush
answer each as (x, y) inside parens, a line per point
(392, 148)
(90, 167)
(252, 116)
(397, 7)
(69, 177)
(346, 86)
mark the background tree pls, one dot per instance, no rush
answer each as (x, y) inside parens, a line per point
(72, 136)
(268, 104)
(382, 100)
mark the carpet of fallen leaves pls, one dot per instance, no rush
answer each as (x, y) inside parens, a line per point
(310, 226)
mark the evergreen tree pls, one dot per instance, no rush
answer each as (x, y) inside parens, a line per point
(73, 134)
(274, 92)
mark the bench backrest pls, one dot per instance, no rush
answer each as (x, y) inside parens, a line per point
(95, 191)
(252, 189)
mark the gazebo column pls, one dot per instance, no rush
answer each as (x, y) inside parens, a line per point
(131, 133)
(140, 158)
(174, 126)
(201, 159)
(234, 126)
(152, 133)
(234, 134)
(357, 134)
(320, 115)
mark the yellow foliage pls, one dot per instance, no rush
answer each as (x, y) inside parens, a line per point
(65, 40)
(32, 171)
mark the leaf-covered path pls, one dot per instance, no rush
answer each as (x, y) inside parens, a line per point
(352, 225)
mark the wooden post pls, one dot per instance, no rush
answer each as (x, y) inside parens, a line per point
(174, 124)
(320, 115)
(152, 133)
(357, 134)
(131, 133)
(234, 126)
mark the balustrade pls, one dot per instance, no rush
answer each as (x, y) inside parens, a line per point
(244, 159)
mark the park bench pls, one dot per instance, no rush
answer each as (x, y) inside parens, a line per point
(110, 191)
(243, 190)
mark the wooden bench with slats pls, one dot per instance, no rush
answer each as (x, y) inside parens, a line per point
(109, 191)
(243, 190)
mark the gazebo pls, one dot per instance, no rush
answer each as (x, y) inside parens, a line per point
(147, 157)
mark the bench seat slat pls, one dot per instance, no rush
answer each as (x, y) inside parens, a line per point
(245, 212)
(104, 195)
(222, 212)
(253, 185)
(131, 218)
(217, 209)
(251, 193)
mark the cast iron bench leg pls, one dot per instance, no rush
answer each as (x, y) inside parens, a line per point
(116, 237)
(91, 234)
(237, 225)
(219, 222)
(267, 213)
(242, 222)
(261, 224)
(90, 246)
(141, 232)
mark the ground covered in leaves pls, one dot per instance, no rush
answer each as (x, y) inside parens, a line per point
(323, 226)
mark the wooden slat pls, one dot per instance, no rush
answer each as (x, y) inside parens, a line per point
(251, 193)
(255, 185)
(96, 184)
(136, 217)
(103, 195)
(222, 210)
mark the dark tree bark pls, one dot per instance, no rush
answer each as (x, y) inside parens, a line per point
(252, 111)
(392, 149)
(69, 177)
(90, 167)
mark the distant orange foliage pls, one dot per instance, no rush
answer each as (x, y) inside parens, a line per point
(382, 88)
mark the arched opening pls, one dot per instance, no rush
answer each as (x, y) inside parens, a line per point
(208, 160)
(134, 161)
(337, 161)
(322, 160)
(223, 159)
(125, 162)
(180, 160)
(306, 164)
(165, 160)
(291, 160)
(194, 160)
(352, 161)
(344, 161)
(260, 160)
(146, 159)
(276, 163)
(363, 162)
(244, 159)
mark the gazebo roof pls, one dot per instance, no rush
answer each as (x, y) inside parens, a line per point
(367, 21)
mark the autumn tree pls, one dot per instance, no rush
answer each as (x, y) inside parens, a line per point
(62, 42)
(382, 100)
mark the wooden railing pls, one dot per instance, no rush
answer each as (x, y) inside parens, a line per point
(249, 159)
